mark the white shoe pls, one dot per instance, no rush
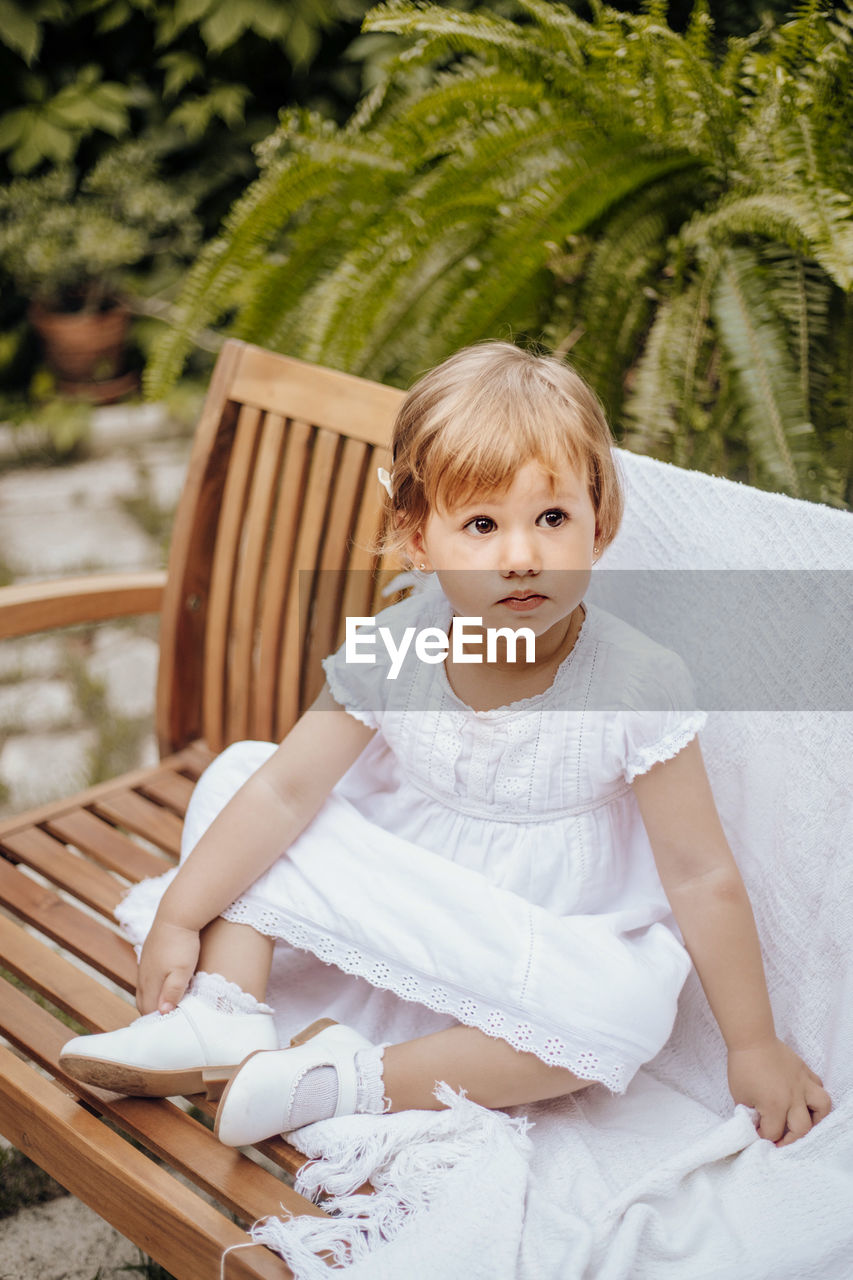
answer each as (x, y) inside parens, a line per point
(162, 1054)
(258, 1101)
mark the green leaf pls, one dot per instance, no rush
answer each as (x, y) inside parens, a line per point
(52, 10)
(114, 16)
(194, 115)
(189, 11)
(271, 20)
(774, 411)
(817, 220)
(228, 101)
(20, 31)
(42, 140)
(180, 68)
(13, 126)
(88, 107)
(301, 42)
(32, 136)
(226, 24)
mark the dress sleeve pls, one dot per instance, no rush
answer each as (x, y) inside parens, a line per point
(362, 675)
(661, 716)
(355, 687)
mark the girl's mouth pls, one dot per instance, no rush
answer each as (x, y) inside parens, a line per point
(523, 604)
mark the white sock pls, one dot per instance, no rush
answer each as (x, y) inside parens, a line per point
(370, 1082)
(226, 997)
(316, 1093)
(316, 1097)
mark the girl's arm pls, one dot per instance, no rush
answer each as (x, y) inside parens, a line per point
(244, 840)
(710, 903)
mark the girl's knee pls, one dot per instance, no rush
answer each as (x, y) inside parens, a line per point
(222, 778)
(242, 758)
(232, 767)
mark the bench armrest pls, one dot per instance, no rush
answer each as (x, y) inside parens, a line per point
(29, 607)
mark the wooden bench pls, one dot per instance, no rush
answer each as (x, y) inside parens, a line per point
(270, 552)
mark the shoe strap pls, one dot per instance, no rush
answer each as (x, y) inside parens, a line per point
(193, 1024)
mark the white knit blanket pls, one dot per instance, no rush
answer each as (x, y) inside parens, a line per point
(670, 1181)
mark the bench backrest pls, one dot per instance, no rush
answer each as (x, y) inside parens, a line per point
(271, 547)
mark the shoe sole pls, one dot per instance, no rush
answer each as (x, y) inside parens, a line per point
(217, 1081)
(137, 1082)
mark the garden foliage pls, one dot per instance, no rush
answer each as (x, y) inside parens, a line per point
(77, 69)
(673, 209)
(126, 131)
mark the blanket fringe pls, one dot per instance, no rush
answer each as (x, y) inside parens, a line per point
(406, 1157)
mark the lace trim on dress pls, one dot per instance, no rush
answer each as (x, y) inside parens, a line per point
(667, 747)
(522, 1035)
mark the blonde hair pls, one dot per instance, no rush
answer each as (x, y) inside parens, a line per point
(469, 424)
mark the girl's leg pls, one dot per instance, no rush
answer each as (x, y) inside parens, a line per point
(219, 1021)
(238, 953)
(490, 1071)
(337, 1072)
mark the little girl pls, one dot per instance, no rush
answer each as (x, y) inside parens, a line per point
(527, 846)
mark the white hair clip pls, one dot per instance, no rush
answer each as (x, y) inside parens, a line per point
(385, 480)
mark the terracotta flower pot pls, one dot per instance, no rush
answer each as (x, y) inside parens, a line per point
(87, 350)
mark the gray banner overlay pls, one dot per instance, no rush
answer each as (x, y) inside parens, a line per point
(752, 640)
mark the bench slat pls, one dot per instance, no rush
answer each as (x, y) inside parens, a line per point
(65, 924)
(66, 870)
(172, 790)
(91, 1004)
(225, 561)
(241, 1185)
(196, 756)
(344, 504)
(143, 818)
(192, 761)
(248, 572)
(326, 397)
(291, 496)
(111, 848)
(53, 976)
(358, 589)
(309, 540)
(148, 1205)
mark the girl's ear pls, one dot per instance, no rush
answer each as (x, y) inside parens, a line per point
(416, 551)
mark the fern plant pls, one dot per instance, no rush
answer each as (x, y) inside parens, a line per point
(674, 211)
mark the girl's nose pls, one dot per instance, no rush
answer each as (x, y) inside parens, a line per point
(519, 554)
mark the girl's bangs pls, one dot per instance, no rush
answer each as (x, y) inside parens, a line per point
(470, 461)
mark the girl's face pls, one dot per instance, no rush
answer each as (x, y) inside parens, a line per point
(521, 558)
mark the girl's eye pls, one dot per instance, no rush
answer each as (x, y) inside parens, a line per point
(552, 519)
(480, 524)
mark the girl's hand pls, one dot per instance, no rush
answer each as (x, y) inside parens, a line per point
(787, 1095)
(168, 961)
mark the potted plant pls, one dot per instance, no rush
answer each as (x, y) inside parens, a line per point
(70, 244)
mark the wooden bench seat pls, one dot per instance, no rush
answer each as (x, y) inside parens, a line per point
(271, 550)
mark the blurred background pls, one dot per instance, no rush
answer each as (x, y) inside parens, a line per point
(660, 192)
(663, 193)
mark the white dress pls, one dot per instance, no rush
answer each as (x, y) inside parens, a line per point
(489, 866)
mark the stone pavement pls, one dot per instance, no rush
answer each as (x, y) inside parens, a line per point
(77, 706)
